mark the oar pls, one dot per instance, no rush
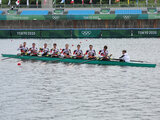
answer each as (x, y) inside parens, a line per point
(130, 60)
(136, 61)
(4, 59)
(53, 60)
(56, 60)
(87, 61)
(115, 59)
(7, 58)
(97, 58)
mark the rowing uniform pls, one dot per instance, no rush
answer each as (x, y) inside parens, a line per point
(45, 51)
(90, 53)
(78, 53)
(33, 51)
(54, 52)
(103, 53)
(125, 58)
(23, 49)
(66, 52)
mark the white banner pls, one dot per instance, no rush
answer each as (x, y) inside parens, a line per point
(9, 2)
(0, 1)
(27, 2)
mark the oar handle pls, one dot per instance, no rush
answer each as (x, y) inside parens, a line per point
(114, 59)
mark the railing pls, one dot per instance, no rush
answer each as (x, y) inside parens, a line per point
(120, 4)
(49, 28)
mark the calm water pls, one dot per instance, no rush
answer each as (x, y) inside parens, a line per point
(57, 91)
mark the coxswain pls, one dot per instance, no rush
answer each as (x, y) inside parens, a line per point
(33, 50)
(78, 53)
(90, 54)
(125, 57)
(54, 52)
(66, 52)
(104, 55)
(23, 48)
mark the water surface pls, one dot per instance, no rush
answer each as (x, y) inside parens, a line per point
(57, 91)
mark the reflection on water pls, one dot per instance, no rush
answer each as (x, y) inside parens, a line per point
(55, 91)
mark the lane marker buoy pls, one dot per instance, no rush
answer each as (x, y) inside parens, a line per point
(19, 63)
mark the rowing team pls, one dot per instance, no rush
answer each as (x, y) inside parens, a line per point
(66, 52)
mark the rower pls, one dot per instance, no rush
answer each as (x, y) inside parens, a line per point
(91, 54)
(40, 52)
(78, 53)
(23, 48)
(43, 51)
(125, 57)
(33, 50)
(66, 52)
(54, 52)
(104, 53)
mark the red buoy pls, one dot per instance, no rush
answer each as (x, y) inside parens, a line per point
(19, 63)
(72, 45)
(86, 40)
(80, 42)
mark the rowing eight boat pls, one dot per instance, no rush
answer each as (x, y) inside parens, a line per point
(80, 61)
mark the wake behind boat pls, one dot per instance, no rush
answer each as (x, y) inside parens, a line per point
(79, 61)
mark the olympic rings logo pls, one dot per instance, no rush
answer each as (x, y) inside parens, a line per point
(55, 17)
(126, 17)
(86, 33)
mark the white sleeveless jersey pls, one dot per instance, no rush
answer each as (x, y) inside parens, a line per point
(45, 50)
(103, 53)
(33, 50)
(54, 51)
(66, 51)
(78, 52)
(91, 52)
(24, 49)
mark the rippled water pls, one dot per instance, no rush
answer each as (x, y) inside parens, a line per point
(58, 91)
